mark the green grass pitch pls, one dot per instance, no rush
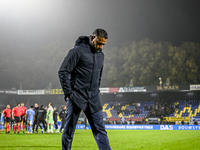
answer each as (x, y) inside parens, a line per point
(119, 140)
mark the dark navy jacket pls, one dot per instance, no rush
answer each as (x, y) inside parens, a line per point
(80, 74)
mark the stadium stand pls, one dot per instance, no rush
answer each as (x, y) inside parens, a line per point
(175, 111)
(123, 107)
(187, 109)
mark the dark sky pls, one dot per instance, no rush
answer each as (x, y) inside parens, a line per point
(38, 22)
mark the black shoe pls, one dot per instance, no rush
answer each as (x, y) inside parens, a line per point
(23, 132)
(8, 131)
(17, 132)
(14, 132)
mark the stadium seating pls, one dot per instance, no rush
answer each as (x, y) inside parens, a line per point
(187, 109)
(124, 109)
(182, 109)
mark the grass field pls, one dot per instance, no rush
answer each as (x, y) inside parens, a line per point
(119, 140)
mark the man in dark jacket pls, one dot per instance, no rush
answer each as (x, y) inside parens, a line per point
(41, 116)
(55, 115)
(62, 116)
(80, 76)
(36, 111)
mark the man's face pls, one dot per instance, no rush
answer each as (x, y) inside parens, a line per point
(98, 42)
(18, 105)
(8, 106)
(22, 104)
(36, 105)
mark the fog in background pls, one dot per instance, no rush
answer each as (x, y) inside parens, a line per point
(31, 29)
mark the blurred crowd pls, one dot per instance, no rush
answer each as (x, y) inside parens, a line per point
(28, 120)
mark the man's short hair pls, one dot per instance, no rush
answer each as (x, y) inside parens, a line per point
(50, 103)
(100, 33)
(31, 106)
(42, 106)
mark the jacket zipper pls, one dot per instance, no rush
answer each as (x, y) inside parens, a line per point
(93, 71)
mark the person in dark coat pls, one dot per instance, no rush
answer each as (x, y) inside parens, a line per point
(36, 113)
(41, 116)
(62, 115)
(55, 115)
(80, 76)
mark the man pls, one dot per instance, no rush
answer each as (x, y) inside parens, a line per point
(55, 115)
(23, 112)
(7, 114)
(2, 121)
(80, 76)
(16, 112)
(50, 119)
(35, 121)
(30, 117)
(41, 116)
(86, 123)
(62, 116)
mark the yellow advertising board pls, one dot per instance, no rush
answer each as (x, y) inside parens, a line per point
(54, 91)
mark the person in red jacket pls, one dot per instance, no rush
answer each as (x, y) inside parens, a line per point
(7, 113)
(23, 112)
(16, 113)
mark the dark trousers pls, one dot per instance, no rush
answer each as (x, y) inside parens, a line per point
(96, 123)
(56, 125)
(34, 124)
(62, 124)
(43, 124)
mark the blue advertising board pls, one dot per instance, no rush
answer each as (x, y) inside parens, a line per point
(147, 127)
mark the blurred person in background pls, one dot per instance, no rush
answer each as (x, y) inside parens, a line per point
(62, 116)
(7, 115)
(49, 119)
(36, 112)
(16, 112)
(41, 116)
(23, 112)
(30, 117)
(55, 116)
(2, 121)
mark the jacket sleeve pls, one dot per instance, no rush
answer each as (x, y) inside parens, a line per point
(100, 76)
(66, 68)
